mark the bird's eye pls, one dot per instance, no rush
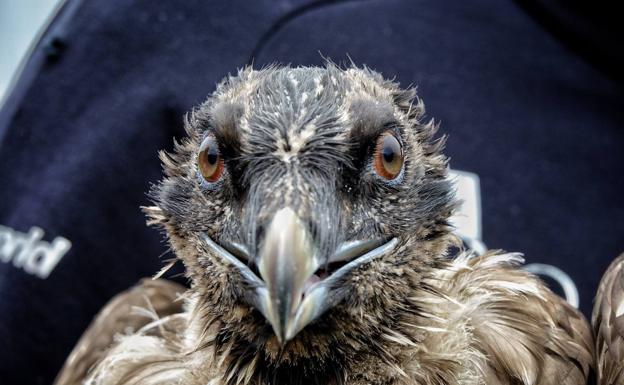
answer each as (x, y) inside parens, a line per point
(388, 159)
(209, 160)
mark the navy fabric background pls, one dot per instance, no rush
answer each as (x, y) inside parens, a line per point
(537, 117)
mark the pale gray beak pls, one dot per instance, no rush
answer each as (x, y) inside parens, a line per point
(286, 262)
(289, 293)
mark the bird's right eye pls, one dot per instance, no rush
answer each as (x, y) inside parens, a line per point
(388, 157)
(210, 161)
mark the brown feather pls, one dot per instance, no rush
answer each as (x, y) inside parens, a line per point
(608, 325)
(514, 330)
(480, 321)
(119, 317)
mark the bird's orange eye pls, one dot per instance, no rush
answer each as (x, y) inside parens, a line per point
(209, 160)
(388, 159)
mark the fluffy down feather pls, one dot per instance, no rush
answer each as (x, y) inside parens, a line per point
(476, 320)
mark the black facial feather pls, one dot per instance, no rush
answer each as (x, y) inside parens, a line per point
(303, 138)
(224, 119)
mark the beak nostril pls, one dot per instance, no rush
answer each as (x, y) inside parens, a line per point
(256, 235)
(313, 228)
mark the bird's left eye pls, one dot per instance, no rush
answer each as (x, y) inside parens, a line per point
(388, 158)
(210, 161)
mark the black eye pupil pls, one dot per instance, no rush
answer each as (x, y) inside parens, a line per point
(390, 149)
(212, 156)
(388, 154)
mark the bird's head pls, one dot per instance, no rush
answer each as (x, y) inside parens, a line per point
(306, 203)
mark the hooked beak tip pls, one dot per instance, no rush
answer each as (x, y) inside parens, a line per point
(286, 260)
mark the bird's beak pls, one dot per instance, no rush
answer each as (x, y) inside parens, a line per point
(289, 292)
(286, 263)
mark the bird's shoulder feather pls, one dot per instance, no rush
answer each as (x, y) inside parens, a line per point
(608, 325)
(502, 325)
(127, 312)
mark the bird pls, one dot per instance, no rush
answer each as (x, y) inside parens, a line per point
(310, 208)
(608, 325)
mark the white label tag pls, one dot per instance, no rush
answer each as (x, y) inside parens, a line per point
(467, 218)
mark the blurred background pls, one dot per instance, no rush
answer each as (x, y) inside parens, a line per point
(530, 93)
(20, 23)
